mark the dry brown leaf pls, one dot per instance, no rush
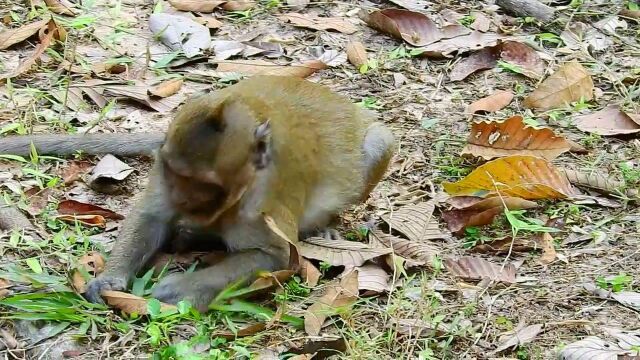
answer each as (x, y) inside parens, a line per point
(527, 177)
(482, 212)
(474, 268)
(73, 207)
(422, 252)
(46, 34)
(627, 298)
(92, 263)
(520, 337)
(373, 279)
(74, 171)
(268, 281)
(205, 6)
(460, 44)
(339, 252)
(129, 303)
(245, 331)
(494, 102)
(548, 249)
(310, 274)
(337, 296)
(506, 245)
(492, 139)
(526, 58)
(63, 7)
(238, 5)
(166, 88)
(480, 60)
(87, 220)
(4, 288)
(570, 83)
(297, 5)
(413, 27)
(13, 36)
(208, 21)
(262, 67)
(137, 91)
(633, 14)
(595, 181)
(416, 222)
(418, 328)
(481, 22)
(319, 23)
(356, 53)
(609, 121)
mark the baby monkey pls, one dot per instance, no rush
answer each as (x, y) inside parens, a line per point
(272, 146)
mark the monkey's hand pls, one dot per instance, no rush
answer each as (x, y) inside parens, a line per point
(183, 286)
(104, 282)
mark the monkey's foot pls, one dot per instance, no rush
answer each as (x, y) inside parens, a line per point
(101, 283)
(177, 287)
(326, 233)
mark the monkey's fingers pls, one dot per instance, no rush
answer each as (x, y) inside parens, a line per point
(102, 283)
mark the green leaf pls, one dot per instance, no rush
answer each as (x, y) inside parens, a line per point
(153, 307)
(260, 311)
(34, 265)
(155, 334)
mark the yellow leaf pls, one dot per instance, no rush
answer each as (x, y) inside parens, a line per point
(569, 84)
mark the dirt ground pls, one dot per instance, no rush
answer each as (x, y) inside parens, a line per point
(427, 312)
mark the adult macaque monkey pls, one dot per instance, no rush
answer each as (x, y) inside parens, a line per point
(269, 145)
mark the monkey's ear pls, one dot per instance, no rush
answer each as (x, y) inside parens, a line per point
(262, 155)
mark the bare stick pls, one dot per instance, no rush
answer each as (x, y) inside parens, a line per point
(531, 8)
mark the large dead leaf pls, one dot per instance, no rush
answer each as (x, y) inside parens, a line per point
(494, 102)
(416, 222)
(86, 220)
(609, 121)
(413, 27)
(594, 348)
(626, 298)
(356, 53)
(594, 180)
(527, 177)
(475, 268)
(13, 36)
(73, 207)
(310, 274)
(205, 6)
(521, 336)
(339, 252)
(135, 90)
(526, 60)
(492, 139)
(262, 67)
(180, 33)
(506, 245)
(570, 83)
(129, 303)
(482, 211)
(90, 265)
(460, 44)
(335, 299)
(422, 252)
(63, 7)
(417, 328)
(166, 88)
(373, 279)
(319, 23)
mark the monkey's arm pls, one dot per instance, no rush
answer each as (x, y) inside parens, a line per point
(125, 144)
(144, 231)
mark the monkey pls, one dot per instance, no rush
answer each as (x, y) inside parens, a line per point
(274, 146)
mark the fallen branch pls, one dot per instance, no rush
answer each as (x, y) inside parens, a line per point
(528, 8)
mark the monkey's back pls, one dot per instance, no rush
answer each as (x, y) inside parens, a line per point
(317, 138)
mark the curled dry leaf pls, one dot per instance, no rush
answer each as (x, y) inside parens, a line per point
(337, 296)
(494, 102)
(480, 60)
(475, 268)
(261, 67)
(356, 53)
(73, 207)
(595, 181)
(110, 168)
(92, 264)
(245, 331)
(180, 33)
(204, 6)
(310, 274)
(339, 252)
(373, 279)
(492, 139)
(416, 222)
(482, 212)
(422, 252)
(527, 177)
(548, 249)
(319, 23)
(166, 88)
(626, 298)
(521, 336)
(506, 245)
(413, 27)
(86, 220)
(609, 121)
(129, 303)
(238, 5)
(62, 7)
(570, 83)
(460, 44)
(11, 37)
(592, 347)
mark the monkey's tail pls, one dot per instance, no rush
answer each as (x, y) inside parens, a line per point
(123, 144)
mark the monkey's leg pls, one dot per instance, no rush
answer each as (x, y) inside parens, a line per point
(144, 231)
(378, 149)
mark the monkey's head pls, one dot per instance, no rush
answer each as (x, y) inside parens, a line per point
(213, 148)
